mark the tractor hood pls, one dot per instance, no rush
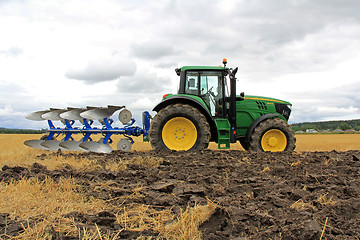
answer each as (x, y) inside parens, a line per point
(266, 105)
(265, 99)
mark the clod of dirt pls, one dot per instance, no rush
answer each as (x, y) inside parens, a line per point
(14, 173)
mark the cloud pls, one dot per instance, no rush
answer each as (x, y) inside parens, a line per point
(270, 37)
(281, 21)
(105, 68)
(328, 104)
(144, 81)
(270, 41)
(152, 49)
(11, 52)
(313, 112)
(166, 65)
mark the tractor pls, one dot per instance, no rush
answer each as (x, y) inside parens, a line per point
(208, 109)
(205, 109)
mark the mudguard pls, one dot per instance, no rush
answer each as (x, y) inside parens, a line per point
(193, 102)
(184, 99)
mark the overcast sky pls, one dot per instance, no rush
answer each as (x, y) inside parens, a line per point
(99, 52)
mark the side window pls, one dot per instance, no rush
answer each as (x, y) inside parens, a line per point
(204, 84)
(191, 85)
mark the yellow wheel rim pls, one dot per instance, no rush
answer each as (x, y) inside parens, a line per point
(274, 140)
(179, 134)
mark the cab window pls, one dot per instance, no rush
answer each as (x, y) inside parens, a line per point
(191, 84)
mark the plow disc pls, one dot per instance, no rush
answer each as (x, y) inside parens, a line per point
(35, 144)
(72, 145)
(52, 145)
(37, 116)
(85, 117)
(96, 147)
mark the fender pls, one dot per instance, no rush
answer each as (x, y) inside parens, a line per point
(256, 122)
(183, 99)
(193, 102)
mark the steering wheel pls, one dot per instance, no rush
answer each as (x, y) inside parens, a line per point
(209, 92)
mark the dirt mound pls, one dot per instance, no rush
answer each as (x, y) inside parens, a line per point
(259, 195)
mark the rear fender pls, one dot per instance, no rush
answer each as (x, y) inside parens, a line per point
(193, 102)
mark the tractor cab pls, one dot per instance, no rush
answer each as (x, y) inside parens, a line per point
(208, 83)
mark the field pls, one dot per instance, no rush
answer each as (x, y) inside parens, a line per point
(312, 193)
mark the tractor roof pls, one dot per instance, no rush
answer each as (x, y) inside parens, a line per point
(185, 68)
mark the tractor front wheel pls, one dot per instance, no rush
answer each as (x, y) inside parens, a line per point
(179, 127)
(272, 135)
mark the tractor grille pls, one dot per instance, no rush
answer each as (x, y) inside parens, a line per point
(283, 109)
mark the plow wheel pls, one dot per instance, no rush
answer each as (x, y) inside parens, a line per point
(179, 127)
(124, 145)
(272, 135)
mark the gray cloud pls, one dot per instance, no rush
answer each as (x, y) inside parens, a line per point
(143, 82)
(265, 34)
(269, 41)
(14, 104)
(152, 49)
(336, 103)
(166, 65)
(103, 69)
(282, 21)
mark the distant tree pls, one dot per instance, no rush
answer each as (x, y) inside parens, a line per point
(331, 125)
(344, 126)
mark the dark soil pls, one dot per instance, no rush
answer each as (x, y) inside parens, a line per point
(259, 195)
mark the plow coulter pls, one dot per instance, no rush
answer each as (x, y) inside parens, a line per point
(80, 121)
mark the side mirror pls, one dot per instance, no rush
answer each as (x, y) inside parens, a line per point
(178, 71)
(234, 71)
(242, 96)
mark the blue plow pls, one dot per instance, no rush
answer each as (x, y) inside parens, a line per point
(87, 116)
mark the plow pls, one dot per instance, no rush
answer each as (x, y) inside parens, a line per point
(206, 108)
(80, 121)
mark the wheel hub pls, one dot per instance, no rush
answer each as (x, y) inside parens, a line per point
(179, 133)
(274, 140)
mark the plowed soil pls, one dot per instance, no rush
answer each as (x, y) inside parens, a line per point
(259, 195)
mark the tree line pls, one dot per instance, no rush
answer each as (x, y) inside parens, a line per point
(328, 125)
(20, 131)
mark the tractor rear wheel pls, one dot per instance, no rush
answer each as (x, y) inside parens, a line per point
(179, 127)
(272, 135)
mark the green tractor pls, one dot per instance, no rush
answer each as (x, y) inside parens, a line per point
(207, 109)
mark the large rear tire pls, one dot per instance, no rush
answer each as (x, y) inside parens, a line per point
(272, 135)
(179, 127)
